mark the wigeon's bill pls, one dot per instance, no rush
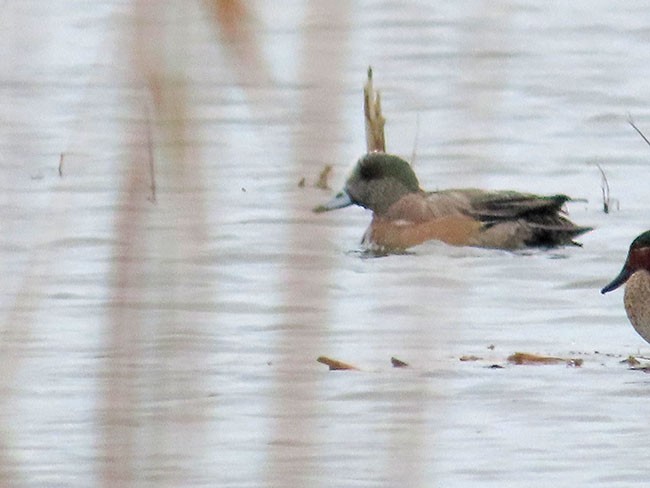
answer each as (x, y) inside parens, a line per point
(341, 200)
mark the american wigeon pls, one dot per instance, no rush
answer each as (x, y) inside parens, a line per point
(404, 215)
(636, 277)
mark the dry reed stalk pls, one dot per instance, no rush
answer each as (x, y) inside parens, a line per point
(236, 23)
(631, 122)
(374, 120)
(604, 188)
(151, 159)
(323, 178)
(320, 125)
(230, 16)
(138, 365)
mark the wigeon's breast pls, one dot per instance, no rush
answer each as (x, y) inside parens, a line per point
(389, 234)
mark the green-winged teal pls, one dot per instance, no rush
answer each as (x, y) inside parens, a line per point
(404, 215)
(636, 276)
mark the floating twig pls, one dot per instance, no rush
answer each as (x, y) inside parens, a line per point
(470, 357)
(528, 358)
(336, 365)
(398, 363)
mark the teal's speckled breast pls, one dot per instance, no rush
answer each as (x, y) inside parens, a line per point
(637, 302)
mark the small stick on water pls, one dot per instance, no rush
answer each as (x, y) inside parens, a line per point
(152, 168)
(604, 187)
(336, 365)
(322, 182)
(375, 140)
(61, 165)
(631, 122)
(416, 139)
(528, 358)
(398, 363)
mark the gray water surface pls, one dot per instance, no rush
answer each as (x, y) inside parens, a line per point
(170, 338)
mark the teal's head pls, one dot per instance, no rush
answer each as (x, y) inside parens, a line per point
(638, 257)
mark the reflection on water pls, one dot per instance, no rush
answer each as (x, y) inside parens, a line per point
(168, 294)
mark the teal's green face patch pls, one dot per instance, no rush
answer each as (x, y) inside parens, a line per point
(642, 240)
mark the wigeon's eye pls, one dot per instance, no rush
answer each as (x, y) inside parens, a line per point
(370, 171)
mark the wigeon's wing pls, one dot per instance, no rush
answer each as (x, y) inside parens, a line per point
(513, 205)
(505, 219)
(538, 220)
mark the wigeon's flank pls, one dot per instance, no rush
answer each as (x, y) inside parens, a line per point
(636, 276)
(405, 215)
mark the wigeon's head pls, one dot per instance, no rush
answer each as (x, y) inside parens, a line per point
(377, 181)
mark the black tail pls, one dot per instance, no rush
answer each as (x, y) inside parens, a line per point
(543, 216)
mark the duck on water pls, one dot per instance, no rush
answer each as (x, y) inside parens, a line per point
(404, 215)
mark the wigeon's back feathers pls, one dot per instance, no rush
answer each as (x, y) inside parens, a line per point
(542, 215)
